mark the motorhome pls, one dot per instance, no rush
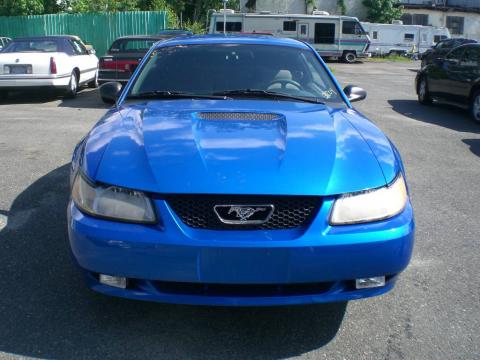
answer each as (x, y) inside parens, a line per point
(397, 38)
(331, 35)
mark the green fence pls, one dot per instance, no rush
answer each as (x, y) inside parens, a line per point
(98, 29)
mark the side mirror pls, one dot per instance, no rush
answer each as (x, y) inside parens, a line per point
(110, 92)
(355, 93)
(91, 51)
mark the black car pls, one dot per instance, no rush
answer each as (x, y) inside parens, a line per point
(442, 48)
(454, 79)
(125, 54)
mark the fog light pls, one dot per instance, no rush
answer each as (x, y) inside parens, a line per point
(115, 281)
(371, 282)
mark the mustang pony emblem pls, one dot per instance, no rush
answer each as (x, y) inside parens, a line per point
(244, 213)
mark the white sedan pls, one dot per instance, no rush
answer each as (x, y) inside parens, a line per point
(58, 62)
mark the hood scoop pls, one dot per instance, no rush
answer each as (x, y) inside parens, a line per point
(238, 116)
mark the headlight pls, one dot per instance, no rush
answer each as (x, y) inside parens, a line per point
(373, 205)
(112, 202)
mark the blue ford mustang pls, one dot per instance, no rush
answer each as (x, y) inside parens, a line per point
(234, 171)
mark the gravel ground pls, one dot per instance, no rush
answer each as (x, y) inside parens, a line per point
(433, 313)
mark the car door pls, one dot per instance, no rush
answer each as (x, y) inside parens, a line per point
(452, 83)
(439, 76)
(466, 73)
(86, 62)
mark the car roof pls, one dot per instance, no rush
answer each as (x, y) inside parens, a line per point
(175, 32)
(233, 39)
(142, 37)
(467, 45)
(49, 37)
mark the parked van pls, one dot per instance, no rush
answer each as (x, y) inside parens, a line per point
(400, 39)
(331, 35)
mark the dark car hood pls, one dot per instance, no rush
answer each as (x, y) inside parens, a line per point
(167, 147)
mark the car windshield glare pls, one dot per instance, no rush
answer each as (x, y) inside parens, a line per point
(219, 68)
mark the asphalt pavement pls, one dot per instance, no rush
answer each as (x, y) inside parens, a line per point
(46, 311)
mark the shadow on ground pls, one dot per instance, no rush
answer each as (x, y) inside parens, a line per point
(86, 98)
(438, 114)
(474, 145)
(46, 312)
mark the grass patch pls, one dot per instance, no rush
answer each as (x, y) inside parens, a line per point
(392, 58)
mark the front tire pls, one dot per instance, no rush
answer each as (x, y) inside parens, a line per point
(423, 94)
(349, 57)
(94, 83)
(72, 86)
(475, 107)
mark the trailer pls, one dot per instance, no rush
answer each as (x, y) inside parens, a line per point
(396, 38)
(331, 35)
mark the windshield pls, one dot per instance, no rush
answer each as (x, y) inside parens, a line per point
(32, 46)
(214, 69)
(132, 45)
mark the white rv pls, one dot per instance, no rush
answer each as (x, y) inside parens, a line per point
(397, 38)
(331, 36)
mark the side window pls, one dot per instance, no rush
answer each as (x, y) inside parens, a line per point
(446, 44)
(456, 54)
(471, 56)
(78, 48)
(375, 35)
(351, 28)
(289, 26)
(231, 26)
(303, 29)
(408, 37)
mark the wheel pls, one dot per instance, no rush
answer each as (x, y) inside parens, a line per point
(475, 106)
(423, 94)
(94, 83)
(72, 86)
(349, 57)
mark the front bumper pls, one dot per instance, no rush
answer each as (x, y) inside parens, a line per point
(171, 262)
(105, 76)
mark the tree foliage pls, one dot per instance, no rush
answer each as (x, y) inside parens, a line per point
(194, 12)
(383, 11)
(21, 7)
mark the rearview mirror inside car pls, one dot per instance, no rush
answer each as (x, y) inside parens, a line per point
(110, 92)
(354, 93)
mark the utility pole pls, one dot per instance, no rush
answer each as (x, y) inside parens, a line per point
(225, 17)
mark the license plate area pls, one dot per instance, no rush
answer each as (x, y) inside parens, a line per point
(17, 69)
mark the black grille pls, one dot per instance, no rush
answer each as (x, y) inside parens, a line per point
(197, 211)
(243, 290)
(246, 116)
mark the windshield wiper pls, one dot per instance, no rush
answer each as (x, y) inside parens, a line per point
(165, 94)
(267, 94)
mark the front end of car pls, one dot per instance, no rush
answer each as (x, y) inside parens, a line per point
(238, 201)
(314, 249)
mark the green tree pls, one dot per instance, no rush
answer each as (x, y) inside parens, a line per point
(82, 6)
(21, 7)
(383, 11)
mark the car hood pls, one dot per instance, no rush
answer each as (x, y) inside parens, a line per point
(219, 146)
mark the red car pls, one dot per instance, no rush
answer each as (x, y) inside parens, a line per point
(125, 54)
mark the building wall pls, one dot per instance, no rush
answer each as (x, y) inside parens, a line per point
(471, 28)
(354, 7)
